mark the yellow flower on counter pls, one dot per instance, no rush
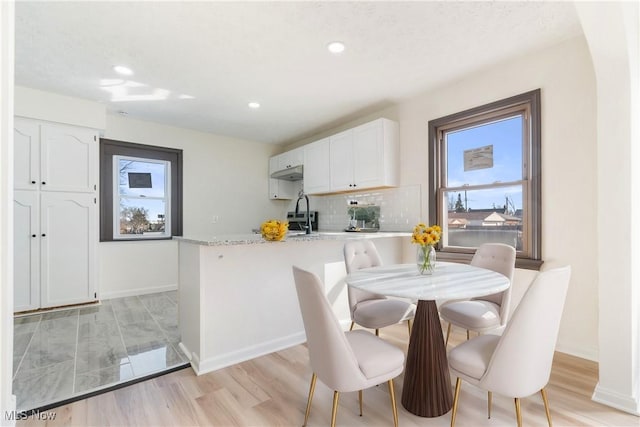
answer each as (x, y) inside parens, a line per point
(274, 229)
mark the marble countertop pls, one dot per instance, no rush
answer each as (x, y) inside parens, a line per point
(251, 239)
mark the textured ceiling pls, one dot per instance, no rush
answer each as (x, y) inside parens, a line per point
(226, 54)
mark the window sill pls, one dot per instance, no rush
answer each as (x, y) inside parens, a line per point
(465, 258)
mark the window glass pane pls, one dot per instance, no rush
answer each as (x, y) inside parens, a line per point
(141, 178)
(485, 154)
(484, 216)
(142, 217)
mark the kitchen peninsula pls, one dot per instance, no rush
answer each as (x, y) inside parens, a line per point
(237, 298)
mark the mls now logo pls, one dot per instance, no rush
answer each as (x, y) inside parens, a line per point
(23, 415)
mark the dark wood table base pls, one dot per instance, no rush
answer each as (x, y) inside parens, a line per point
(427, 386)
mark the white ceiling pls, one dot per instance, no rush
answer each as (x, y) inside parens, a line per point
(226, 54)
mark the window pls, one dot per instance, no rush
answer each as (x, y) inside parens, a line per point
(140, 191)
(485, 178)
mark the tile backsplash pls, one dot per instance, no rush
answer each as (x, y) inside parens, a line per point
(399, 208)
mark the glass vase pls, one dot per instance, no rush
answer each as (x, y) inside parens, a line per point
(426, 259)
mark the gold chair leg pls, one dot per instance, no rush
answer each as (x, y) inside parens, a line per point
(312, 388)
(352, 325)
(448, 333)
(360, 399)
(409, 326)
(518, 412)
(467, 335)
(454, 408)
(334, 410)
(377, 332)
(394, 408)
(543, 392)
(489, 398)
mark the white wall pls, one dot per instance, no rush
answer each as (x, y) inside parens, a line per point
(222, 176)
(7, 399)
(616, 59)
(565, 75)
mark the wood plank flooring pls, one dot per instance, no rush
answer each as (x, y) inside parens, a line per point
(272, 391)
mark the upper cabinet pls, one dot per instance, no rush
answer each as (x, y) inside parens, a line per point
(360, 158)
(317, 174)
(280, 188)
(54, 157)
(365, 157)
(290, 159)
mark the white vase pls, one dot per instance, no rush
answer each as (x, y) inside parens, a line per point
(426, 259)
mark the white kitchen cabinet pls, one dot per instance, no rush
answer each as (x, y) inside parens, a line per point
(55, 214)
(278, 188)
(365, 157)
(26, 250)
(290, 159)
(68, 230)
(317, 174)
(54, 157)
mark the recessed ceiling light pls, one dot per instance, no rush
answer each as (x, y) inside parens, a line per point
(335, 47)
(121, 69)
(254, 105)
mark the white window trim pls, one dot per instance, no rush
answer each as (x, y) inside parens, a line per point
(117, 196)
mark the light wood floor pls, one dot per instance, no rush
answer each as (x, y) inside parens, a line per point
(272, 391)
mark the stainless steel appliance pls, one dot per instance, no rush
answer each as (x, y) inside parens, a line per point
(297, 222)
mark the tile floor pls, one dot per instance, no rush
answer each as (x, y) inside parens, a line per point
(62, 354)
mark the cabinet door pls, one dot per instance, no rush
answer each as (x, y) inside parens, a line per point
(368, 158)
(26, 251)
(26, 155)
(290, 158)
(278, 188)
(68, 243)
(68, 158)
(317, 172)
(341, 154)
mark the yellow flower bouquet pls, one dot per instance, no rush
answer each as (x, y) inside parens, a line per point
(274, 229)
(426, 237)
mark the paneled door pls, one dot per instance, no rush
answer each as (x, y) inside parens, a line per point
(68, 232)
(26, 250)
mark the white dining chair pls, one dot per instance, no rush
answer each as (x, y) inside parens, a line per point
(344, 361)
(518, 363)
(488, 312)
(367, 309)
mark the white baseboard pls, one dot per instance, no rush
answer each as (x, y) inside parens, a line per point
(228, 359)
(616, 400)
(583, 353)
(137, 291)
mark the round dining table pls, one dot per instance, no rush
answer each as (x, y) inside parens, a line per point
(427, 386)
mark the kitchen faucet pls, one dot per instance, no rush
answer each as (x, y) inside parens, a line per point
(307, 227)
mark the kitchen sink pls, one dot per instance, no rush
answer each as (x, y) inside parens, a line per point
(302, 234)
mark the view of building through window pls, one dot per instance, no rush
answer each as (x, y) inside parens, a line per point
(142, 187)
(483, 184)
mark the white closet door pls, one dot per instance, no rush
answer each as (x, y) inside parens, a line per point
(26, 251)
(26, 155)
(68, 159)
(68, 244)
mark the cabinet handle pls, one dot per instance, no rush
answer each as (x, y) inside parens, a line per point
(44, 235)
(33, 182)
(33, 235)
(43, 183)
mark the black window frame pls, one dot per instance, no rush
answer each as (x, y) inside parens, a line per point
(110, 148)
(533, 260)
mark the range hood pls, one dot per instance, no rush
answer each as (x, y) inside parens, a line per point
(290, 174)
